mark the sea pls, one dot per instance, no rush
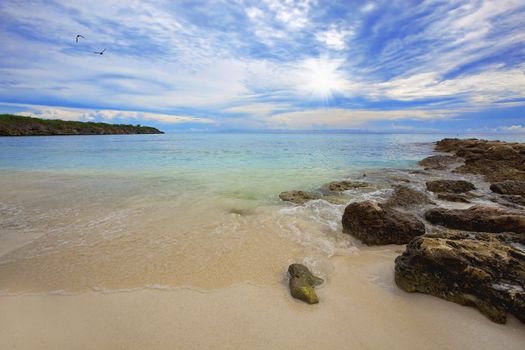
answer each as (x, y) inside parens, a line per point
(125, 212)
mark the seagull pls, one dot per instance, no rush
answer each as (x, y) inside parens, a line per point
(79, 36)
(99, 52)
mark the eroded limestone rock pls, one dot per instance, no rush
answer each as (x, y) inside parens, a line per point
(450, 186)
(298, 197)
(509, 187)
(478, 218)
(339, 186)
(377, 224)
(438, 162)
(484, 270)
(407, 197)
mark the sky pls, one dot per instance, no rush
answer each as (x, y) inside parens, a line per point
(379, 66)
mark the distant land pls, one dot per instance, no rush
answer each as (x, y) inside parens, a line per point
(15, 125)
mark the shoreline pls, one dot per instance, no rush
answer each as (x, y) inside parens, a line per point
(352, 314)
(360, 307)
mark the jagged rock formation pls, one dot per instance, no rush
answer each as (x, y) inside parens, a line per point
(478, 218)
(478, 269)
(450, 186)
(377, 224)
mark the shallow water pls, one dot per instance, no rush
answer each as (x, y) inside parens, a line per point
(130, 211)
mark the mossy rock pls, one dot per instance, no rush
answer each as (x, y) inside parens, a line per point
(302, 283)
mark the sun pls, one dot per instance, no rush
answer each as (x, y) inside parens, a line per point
(321, 78)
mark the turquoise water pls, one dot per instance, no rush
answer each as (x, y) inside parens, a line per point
(258, 164)
(200, 152)
(129, 211)
(239, 165)
(245, 166)
(253, 165)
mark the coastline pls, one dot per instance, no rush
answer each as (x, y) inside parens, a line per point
(16, 125)
(361, 307)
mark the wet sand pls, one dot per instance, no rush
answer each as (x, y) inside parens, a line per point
(360, 308)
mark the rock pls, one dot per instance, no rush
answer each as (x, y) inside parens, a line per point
(478, 218)
(407, 197)
(302, 283)
(377, 224)
(497, 161)
(301, 197)
(339, 186)
(507, 201)
(502, 152)
(477, 269)
(298, 197)
(438, 162)
(420, 172)
(453, 197)
(450, 186)
(509, 187)
(520, 200)
(399, 179)
(470, 152)
(452, 145)
(494, 170)
(515, 202)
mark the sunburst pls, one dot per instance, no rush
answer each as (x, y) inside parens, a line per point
(322, 78)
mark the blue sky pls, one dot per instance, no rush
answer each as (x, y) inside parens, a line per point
(399, 66)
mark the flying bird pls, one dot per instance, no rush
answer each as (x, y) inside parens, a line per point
(79, 36)
(99, 52)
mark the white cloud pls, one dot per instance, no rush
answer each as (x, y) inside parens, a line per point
(257, 109)
(512, 129)
(369, 7)
(184, 65)
(334, 38)
(484, 87)
(293, 13)
(49, 112)
(347, 118)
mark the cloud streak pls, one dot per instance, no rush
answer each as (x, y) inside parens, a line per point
(79, 114)
(250, 63)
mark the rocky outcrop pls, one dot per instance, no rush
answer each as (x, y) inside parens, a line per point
(339, 186)
(497, 161)
(450, 186)
(377, 224)
(478, 269)
(302, 283)
(406, 197)
(453, 197)
(298, 197)
(520, 200)
(512, 202)
(301, 197)
(478, 218)
(509, 187)
(438, 162)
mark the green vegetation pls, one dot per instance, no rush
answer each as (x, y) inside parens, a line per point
(15, 125)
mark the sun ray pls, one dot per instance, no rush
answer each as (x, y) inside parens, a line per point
(322, 79)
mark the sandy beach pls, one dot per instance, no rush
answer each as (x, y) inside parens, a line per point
(274, 174)
(116, 261)
(360, 308)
